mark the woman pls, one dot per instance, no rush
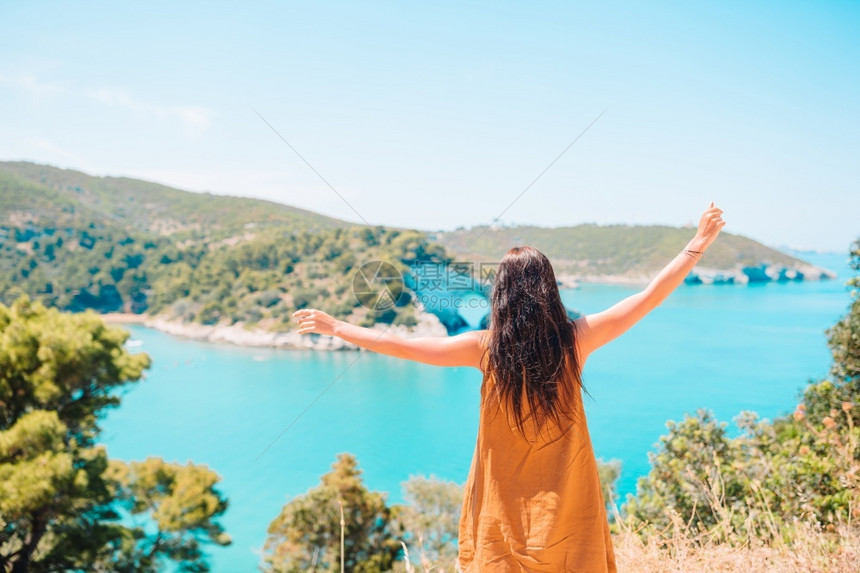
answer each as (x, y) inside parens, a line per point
(532, 501)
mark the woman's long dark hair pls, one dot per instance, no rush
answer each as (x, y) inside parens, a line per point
(531, 352)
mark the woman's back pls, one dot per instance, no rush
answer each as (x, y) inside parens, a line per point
(533, 500)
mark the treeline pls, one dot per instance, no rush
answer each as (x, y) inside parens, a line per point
(259, 280)
(609, 250)
(76, 246)
(63, 502)
(264, 280)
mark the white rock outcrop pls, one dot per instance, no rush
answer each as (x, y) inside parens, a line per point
(428, 325)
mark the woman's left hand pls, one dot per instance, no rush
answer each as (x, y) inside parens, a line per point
(314, 321)
(710, 226)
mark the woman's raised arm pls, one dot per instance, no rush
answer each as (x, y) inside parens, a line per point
(461, 350)
(595, 330)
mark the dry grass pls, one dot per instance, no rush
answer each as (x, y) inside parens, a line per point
(676, 550)
(804, 549)
(811, 552)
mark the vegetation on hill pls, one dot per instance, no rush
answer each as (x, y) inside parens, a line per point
(64, 504)
(147, 207)
(76, 242)
(611, 250)
(263, 281)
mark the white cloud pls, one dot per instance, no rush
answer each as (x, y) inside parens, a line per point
(31, 84)
(194, 118)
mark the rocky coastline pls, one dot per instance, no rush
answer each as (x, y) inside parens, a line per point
(762, 273)
(240, 335)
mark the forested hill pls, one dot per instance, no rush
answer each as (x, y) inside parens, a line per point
(76, 241)
(628, 253)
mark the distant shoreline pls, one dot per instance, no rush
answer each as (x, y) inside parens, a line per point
(237, 334)
(124, 318)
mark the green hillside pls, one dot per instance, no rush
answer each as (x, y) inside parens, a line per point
(609, 251)
(149, 207)
(76, 241)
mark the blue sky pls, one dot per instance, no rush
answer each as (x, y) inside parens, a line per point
(436, 115)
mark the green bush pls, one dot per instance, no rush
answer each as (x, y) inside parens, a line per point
(306, 534)
(62, 499)
(804, 466)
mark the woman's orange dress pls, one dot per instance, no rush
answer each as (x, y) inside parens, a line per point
(533, 502)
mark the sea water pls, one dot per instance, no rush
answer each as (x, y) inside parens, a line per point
(270, 422)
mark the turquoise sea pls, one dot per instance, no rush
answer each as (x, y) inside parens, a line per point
(270, 422)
